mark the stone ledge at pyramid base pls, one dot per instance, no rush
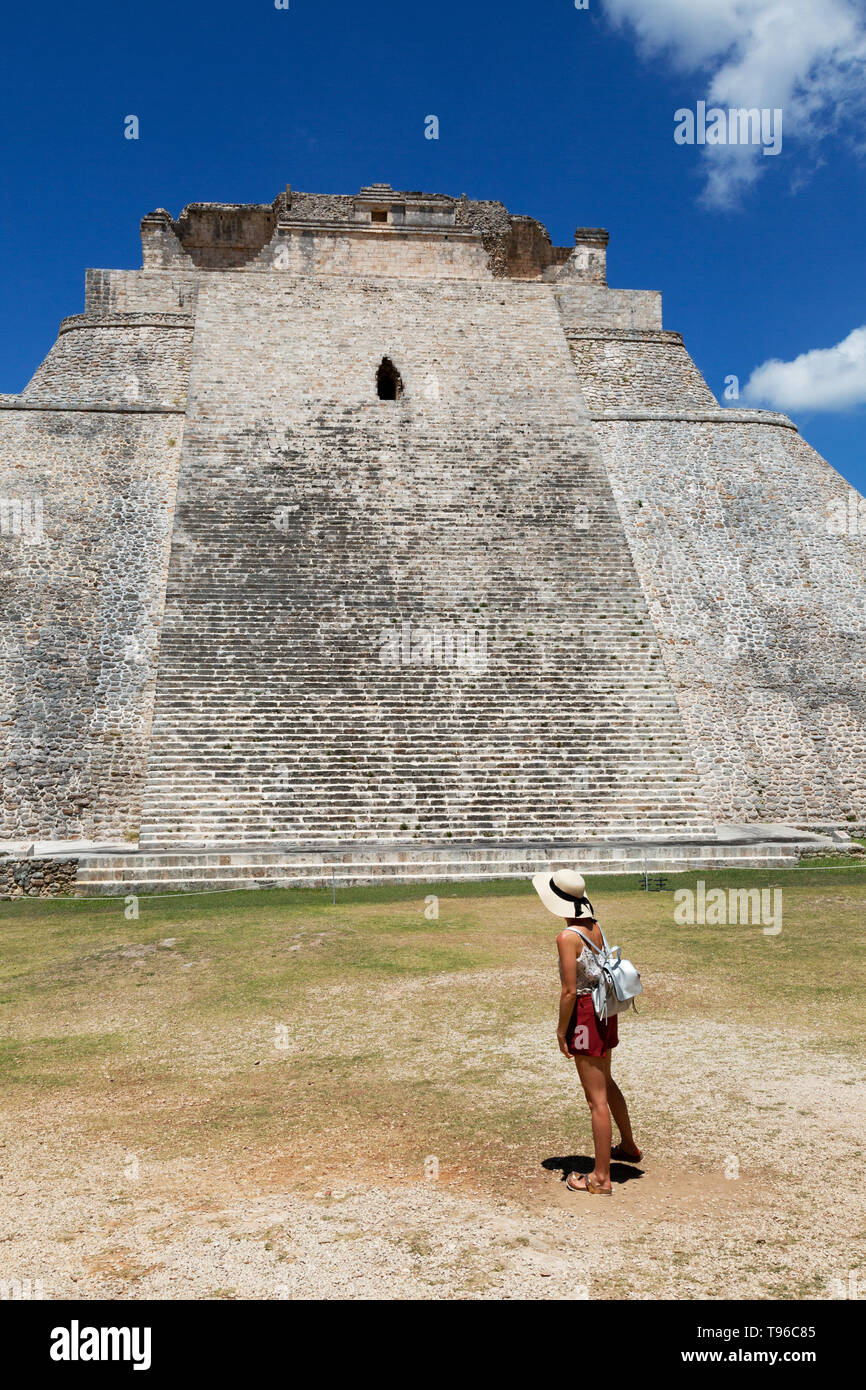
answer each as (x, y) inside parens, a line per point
(104, 871)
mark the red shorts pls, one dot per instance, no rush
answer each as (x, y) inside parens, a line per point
(586, 1034)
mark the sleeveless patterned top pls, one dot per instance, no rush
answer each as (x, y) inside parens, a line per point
(588, 972)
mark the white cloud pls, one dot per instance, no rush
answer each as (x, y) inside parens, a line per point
(806, 56)
(823, 379)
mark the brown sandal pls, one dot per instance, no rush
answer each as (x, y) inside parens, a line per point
(588, 1186)
(622, 1154)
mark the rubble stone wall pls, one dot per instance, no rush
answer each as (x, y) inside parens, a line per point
(83, 587)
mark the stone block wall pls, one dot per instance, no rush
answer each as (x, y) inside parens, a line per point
(454, 255)
(130, 292)
(581, 306)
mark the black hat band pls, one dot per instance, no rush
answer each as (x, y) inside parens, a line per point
(570, 898)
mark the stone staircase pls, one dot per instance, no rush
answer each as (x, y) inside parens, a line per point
(228, 868)
(313, 533)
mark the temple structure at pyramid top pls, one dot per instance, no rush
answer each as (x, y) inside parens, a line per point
(415, 233)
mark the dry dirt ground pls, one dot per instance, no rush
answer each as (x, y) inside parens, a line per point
(269, 1097)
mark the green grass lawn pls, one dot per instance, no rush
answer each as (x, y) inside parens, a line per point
(277, 1018)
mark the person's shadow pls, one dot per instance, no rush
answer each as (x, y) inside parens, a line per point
(580, 1163)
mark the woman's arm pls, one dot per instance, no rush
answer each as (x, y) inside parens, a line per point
(567, 947)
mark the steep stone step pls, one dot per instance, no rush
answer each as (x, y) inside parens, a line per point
(234, 868)
(311, 528)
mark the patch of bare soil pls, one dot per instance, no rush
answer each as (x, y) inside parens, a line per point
(751, 1186)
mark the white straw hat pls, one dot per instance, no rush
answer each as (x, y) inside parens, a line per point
(564, 893)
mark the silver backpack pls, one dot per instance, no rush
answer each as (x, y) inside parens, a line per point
(618, 982)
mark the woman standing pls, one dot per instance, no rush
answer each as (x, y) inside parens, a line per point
(580, 1033)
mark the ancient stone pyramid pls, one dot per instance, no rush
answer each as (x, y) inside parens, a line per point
(381, 518)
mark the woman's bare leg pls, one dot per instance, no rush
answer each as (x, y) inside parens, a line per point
(593, 1075)
(619, 1110)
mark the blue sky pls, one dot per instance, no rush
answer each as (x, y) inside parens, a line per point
(562, 113)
